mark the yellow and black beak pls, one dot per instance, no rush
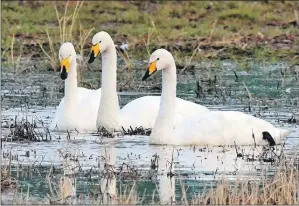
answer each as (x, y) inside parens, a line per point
(152, 68)
(95, 50)
(64, 68)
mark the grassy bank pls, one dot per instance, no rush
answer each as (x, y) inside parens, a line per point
(191, 30)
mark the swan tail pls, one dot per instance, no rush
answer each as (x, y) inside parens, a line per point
(282, 135)
(285, 133)
(278, 138)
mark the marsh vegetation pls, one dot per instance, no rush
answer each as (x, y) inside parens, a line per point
(230, 56)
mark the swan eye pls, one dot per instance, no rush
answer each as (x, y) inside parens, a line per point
(158, 58)
(100, 42)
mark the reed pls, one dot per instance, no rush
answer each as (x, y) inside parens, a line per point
(282, 188)
(66, 25)
(7, 181)
(17, 63)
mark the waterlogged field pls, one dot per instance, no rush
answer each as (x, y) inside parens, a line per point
(54, 167)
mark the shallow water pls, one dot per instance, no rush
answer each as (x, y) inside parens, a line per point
(274, 98)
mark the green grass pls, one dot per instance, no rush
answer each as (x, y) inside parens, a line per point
(168, 22)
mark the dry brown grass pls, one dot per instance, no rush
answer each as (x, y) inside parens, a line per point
(282, 188)
(128, 196)
(7, 181)
(20, 62)
(66, 24)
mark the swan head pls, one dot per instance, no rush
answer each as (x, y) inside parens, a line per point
(67, 55)
(101, 41)
(159, 60)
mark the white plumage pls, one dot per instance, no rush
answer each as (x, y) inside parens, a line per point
(139, 112)
(225, 128)
(209, 128)
(78, 108)
(145, 111)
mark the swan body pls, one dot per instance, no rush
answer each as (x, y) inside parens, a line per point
(146, 110)
(140, 112)
(223, 128)
(78, 108)
(209, 128)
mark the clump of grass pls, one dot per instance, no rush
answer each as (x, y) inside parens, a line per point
(26, 131)
(236, 13)
(103, 132)
(136, 131)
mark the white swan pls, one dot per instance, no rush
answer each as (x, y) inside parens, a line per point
(210, 128)
(78, 108)
(139, 112)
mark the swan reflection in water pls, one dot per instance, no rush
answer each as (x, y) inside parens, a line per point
(217, 160)
(107, 187)
(68, 182)
(164, 174)
(108, 179)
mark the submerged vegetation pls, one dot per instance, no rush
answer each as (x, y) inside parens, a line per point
(192, 30)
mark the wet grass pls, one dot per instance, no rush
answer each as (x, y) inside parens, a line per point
(217, 30)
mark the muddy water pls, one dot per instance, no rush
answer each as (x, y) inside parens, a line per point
(273, 91)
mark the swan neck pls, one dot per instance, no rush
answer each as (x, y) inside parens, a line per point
(109, 61)
(109, 100)
(165, 119)
(70, 84)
